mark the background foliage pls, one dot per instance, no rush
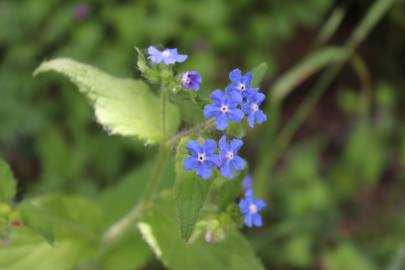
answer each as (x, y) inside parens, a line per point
(336, 195)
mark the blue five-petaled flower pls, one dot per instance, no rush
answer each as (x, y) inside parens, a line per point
(228, 154)
(252, 108)
(240, 83)
(250, 208)
(191, 80)
(202, 157)
(167, 56)
(225, 108)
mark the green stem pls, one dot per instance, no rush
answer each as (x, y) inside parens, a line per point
(163, 101)
(266, 163)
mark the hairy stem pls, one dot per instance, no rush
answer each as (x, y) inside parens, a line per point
(163, 101)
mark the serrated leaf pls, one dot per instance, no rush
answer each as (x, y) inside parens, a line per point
(35, 218)
(7, 183)
(190, 193)
(234, 252)
(258, 74)
(123, 106)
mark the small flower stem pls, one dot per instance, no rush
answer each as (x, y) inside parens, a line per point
(197, 129)
(163, 101)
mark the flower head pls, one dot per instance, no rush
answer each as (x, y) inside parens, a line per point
(252, 108)
(202, 157)
(191, 80)
(240, 83)
(228, 154)
(224, 109)
(250, 208)
(167, 56)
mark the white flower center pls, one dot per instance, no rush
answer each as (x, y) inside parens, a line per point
(229, 155)
(166, 53)
(201, 157)
(242, 87)
(253, 209)
(254, 107)
(224, 109)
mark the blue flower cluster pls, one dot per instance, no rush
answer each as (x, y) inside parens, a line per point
(205, 156)
(238, 100)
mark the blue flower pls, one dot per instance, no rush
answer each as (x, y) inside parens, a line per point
(240, 83)
(250, 208)
(167, 56)
(252, 110)
(229, 158)
(202, 157)
(247, 182)
(191, 80)
(224, 109)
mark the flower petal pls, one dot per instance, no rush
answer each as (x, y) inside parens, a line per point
(153, 51)
(236, 144)
(260, 117)
(235, 75)
(251, 119)
(210, 110)
(210, 145)
(257, 220)
(244, 206)
(190, 164)
(238, 163)
(226, 169)
(223, 144)
(248, 220)
(221, 122)
(236, 115)
(203, 171)
(193, 147)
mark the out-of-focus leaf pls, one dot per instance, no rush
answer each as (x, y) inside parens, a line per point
(123, 106)
(190, 193)
(347, 257)
(259, 73)
(76, 225)
(158, 228)
(7, 182)
(35, 218)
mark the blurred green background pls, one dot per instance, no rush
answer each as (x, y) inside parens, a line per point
(337, 196)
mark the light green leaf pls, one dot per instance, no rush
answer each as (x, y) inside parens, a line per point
(123, 106)
(35, 218)
(190, 193)
(7, 183)
(76, 225)
(259, 73)
(158, 227)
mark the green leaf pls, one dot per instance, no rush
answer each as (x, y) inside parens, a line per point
(158, 227)
(190, 193)
(258, 74)
(76, 225)
(35, 218)
(228, 191)
(123, 106)
(7, 183)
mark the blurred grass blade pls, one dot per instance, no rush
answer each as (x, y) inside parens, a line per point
(267, 159)
(331, 25)
(398, 261)
(259, 73)
(307, 67)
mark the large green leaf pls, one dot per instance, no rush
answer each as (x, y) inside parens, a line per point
(159, 227)
(123, 106)
(259, 73)
(76, 224)
(7, 183)
(190, 193)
